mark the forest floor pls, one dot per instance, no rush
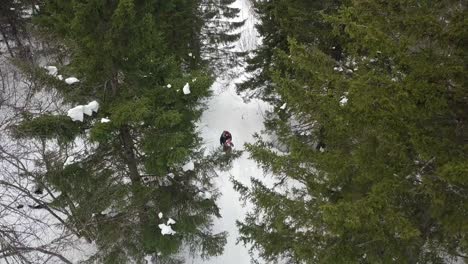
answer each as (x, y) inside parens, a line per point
(226, 110)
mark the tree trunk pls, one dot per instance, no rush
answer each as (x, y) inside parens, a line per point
(6, 42)
(129, 154)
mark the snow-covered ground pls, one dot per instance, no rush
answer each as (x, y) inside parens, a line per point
(227, 111)
(23, 222)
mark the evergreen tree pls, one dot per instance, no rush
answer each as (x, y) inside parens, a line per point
(376, 139)
(130, 57)
(14, 17)
(280, 19)
(218, 35)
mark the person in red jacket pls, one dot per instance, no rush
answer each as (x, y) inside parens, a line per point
(226, 140)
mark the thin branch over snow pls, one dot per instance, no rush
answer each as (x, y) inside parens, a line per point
(18, 250)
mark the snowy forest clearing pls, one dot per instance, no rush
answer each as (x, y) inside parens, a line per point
(227, 111)
(111, 111)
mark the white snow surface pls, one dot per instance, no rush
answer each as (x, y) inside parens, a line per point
(148, 259)
(105, 120)
(19, 216)
(160, 215)
(228, 111)
(206, 195)
(186, 88)
(171, 221)
(244, 120)
(52, 70)
(188, 166)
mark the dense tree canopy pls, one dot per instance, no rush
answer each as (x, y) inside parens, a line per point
(367, 139)
(134, 162)
(372, 130)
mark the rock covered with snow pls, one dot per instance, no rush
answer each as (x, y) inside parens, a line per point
(105, 120)
(160, 215)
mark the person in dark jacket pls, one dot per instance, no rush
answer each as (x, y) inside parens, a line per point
(226, 140)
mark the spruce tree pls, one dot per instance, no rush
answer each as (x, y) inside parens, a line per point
(14, 19)
(278, 20)
(218, 34)
(142, 163)
(376, 140)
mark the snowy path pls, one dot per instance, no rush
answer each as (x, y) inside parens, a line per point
(227, 111)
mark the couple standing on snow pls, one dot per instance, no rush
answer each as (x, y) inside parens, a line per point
(226, 141)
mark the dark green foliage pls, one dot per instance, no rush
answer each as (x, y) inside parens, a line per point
(14, 19)
(281, 19)
(378, 178)
(48, 127)
(219, 34)
(125, 54)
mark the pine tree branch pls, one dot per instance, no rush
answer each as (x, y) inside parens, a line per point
(41, 203)
(16, 250)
